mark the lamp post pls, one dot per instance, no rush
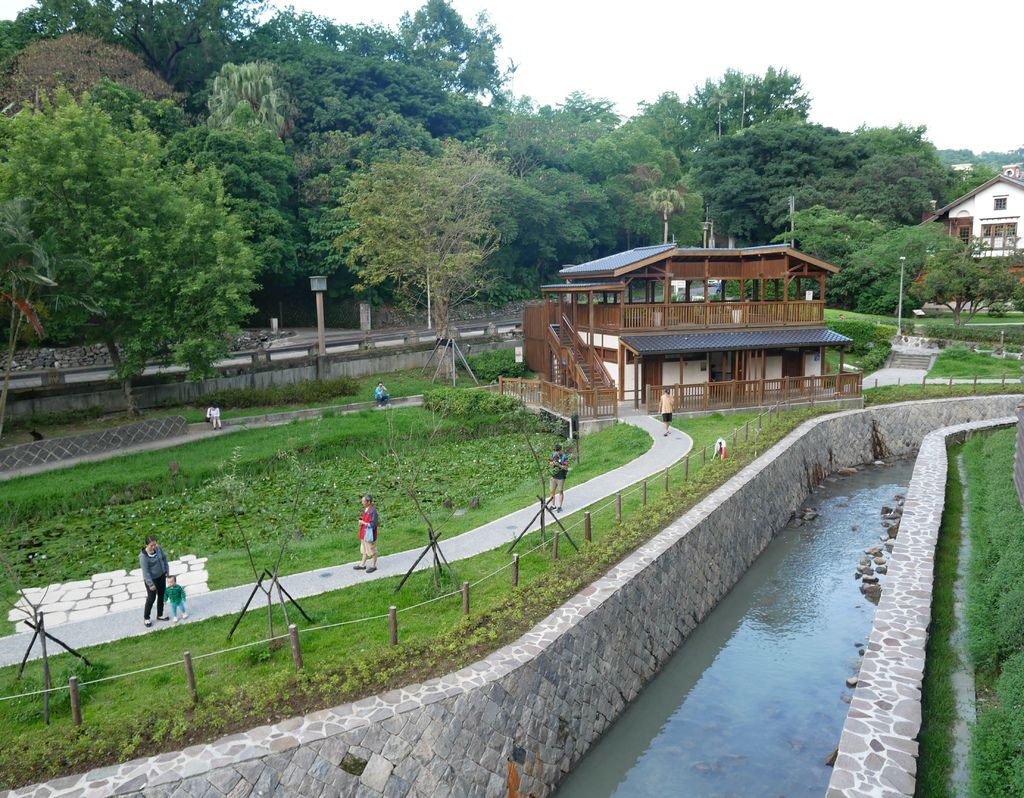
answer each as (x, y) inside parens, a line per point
(899, 308)
(318, 285)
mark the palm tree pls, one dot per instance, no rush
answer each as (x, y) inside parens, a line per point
(248, 94)
(666, 201)
(25, 265)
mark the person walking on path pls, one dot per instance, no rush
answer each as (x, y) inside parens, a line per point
(559, 462)
(666, 409)
(175, 596)
(154, 567)
(368, 536)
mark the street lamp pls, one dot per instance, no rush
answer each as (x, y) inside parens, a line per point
(318, 285)
(899, 309)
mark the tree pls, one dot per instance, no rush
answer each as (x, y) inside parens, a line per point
(464, 57)
(737, 101)
(76, 62)
(831, 235)
(24, 266)
(956, 275)
(170, 271)
(666, 201)
(247, 95)
(425, 226)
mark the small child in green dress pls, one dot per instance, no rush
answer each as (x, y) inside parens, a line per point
(175, 596)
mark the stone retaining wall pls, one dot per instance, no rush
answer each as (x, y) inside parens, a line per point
(538, 704)
(112, 591)
(53, 449)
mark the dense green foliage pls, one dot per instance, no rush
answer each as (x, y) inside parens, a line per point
(488, 366)
(458, 403)
(995, 614)
(294, 111)
(871, 342)
(294, 393)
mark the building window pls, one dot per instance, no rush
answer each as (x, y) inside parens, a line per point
(999, 236)
(1000, 204)
(965, 234)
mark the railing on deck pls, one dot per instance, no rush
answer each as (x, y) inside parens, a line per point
(755, 393)
(720, 314)
(587, 404)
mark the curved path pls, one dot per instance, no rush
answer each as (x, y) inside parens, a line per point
(127, 623)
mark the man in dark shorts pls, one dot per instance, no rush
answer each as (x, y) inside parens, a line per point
(559, 462)
(666, 409)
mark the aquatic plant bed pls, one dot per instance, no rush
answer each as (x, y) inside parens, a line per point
(258, 685)
(300, 482)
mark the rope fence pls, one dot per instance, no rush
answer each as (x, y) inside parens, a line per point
(584, 521)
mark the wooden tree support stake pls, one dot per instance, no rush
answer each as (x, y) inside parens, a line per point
(293, 636)
(190, 677)
(76, 703)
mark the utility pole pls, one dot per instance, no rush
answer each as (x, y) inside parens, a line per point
(899, 307)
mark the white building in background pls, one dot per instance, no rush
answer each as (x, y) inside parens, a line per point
(991, 213)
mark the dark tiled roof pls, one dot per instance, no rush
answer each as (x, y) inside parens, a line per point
(715, 341)
(616, 261)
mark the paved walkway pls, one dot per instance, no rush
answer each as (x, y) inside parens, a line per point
(664, 452)
(883, 377)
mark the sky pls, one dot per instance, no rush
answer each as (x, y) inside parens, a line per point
(942, 64)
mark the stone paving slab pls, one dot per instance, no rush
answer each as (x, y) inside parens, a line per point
(117, 625)
(108, 592)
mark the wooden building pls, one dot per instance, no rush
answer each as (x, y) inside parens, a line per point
(719, 327)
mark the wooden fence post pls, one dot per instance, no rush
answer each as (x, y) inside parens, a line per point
(393, 625)
(586, 527)
(666, 480)
(734, 438)
(643, 501)
(190, 676)
(618, 507)
(76, 704)
(515, 570)
(465, 598)
(293, 637)
(746, 431)
(686, 468)
(704, 455)
(554, 546)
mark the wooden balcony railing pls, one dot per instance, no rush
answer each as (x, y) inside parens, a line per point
(718, 314)
(589, 404)
(755, 393)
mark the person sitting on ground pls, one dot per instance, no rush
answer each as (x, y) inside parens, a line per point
(209, 414)
(175, 596)
(215, 417)
(381, 395)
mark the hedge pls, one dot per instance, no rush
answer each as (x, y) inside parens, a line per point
(488, 366)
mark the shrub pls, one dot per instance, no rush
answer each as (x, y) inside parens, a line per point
(463, 403)
(488, 366)
(308, 392)
(872, 341)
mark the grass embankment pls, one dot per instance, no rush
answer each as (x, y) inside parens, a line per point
(939, 712)
(959, 362)
(256, 685)
(93, 518)
(890, 394)
(995, 616)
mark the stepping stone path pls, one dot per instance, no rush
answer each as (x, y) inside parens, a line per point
(112, 591)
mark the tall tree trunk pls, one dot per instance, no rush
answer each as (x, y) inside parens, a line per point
(126, 382)
(665, 217)
(12, 344)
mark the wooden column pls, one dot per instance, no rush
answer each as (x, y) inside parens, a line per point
(636, 381)
(622, 372)
(590, 300)
(842, 358)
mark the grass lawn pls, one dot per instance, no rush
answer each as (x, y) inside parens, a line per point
(995, 614)
(302, 480)
(258, 685)
(959, 362)
(849, 315)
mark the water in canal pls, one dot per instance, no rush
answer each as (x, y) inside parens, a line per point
(752, 703)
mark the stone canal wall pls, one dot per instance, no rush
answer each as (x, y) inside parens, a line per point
(539, 703)
(878, 749)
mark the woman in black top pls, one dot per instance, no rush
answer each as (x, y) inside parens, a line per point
(154, 571)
